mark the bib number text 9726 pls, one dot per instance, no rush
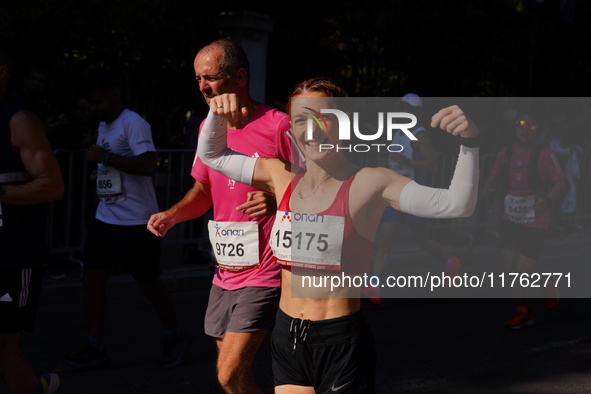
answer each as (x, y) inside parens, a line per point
(229, 249)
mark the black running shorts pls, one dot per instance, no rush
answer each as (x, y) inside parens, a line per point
(134, 247)
(333, 355)
(19, 299)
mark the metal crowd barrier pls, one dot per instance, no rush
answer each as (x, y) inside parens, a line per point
(68, 218)
(481, 226)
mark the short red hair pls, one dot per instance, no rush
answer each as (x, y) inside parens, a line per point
(319, 84)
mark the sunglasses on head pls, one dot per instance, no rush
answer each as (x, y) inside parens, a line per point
(526, 125)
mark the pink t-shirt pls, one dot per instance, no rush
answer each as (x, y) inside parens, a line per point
(267, 134)
(548, 171)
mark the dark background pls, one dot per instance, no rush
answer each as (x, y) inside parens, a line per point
(374, 48)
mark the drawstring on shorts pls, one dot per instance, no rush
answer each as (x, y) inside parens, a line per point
(298, 329)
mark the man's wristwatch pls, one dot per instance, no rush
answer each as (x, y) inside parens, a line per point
(106, 156)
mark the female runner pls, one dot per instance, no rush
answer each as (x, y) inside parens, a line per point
(321, 342)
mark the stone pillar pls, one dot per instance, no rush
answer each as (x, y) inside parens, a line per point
(251, 31)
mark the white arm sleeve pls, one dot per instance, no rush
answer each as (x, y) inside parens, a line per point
(457, 201)
(214, 152)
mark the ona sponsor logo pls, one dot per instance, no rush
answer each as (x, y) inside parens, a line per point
(221, 232)
(308, 217)
(286, 217)
(388, 122)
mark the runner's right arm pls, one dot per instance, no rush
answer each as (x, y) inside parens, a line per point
(212, 149)
(194, 204)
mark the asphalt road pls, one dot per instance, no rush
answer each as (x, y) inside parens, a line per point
(424, 345)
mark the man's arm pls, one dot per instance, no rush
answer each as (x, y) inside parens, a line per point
(558, 188)
(196, 202)
(29, 139)
(144, 164)
(489, 186)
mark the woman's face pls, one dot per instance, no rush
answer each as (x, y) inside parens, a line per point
(316, 133)
(526, 129)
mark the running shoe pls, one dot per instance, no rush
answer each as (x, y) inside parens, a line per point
(551, 303)
(174, 351)
(89, 357)
(49, 383)
(522, 319)
(452, 267)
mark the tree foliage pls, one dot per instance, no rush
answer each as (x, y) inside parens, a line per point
(382, 48)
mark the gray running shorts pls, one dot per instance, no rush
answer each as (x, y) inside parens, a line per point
(248, 309)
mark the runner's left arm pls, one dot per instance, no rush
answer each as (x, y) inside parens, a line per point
(142, 164)
(29, 139)
(459, 200)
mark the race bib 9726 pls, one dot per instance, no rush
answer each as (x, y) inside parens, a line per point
(235, 244)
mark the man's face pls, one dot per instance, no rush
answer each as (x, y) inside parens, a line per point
(211, 79)
(526, 129)
(104, 104)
